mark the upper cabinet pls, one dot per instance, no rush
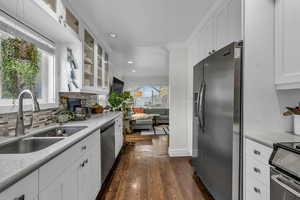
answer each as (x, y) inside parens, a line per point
(287, 42)
(83, 65)
(96, 66)
(106, 70)
(100, 67)
(221, 28)
(89, 51)
(72, 21)
(52, 4)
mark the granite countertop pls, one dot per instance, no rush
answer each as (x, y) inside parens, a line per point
(14, 167)
(269, 138)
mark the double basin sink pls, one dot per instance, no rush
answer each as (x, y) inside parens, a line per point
(40, 140)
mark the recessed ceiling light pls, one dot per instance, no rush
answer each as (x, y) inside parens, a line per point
(130, 62)
(113, 35)
(133, 71)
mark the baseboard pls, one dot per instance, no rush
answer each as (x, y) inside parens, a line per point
(179, 152)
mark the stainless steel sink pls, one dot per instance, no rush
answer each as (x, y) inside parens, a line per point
(64, 131)
(28, 145)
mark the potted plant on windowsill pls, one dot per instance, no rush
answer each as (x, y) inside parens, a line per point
(20, 66)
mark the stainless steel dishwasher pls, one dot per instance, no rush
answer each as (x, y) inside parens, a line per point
(107, 148)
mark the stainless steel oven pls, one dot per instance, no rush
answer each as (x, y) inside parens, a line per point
(283, 187)
(285, 172)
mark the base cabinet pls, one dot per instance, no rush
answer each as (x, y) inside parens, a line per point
(89, 179)
(74, 174)
(64, 188)
(80, 180)
(257, 171)
(25, 189)
(118, 135)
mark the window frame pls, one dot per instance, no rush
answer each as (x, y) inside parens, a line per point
(49, 96)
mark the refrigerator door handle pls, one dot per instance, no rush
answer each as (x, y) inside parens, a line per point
(198, 106)
(201, 106)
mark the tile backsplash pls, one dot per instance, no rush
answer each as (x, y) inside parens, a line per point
(40, 119)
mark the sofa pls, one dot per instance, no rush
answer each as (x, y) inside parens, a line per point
(147, 124)
(142, 124)
(163, 114)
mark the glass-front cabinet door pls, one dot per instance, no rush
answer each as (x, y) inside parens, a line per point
(72, 21)
(51, 4)
(100, 67)
(106, 71)
(89, 74)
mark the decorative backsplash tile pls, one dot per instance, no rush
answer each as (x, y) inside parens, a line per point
(40, 119)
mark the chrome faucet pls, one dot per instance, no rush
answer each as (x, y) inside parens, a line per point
(20, 117)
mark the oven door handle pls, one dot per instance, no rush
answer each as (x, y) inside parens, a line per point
(288, 188)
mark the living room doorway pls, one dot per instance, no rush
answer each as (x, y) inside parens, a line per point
(149, 115)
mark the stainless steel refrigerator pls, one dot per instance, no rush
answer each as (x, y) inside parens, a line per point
(217, 125)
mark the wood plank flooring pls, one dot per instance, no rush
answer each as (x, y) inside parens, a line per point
(145, 172)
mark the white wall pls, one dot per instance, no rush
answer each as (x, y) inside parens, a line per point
(178, 144)
(195, 52)
(263, 104)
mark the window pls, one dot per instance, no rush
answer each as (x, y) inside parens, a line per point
(151, 96)
(26, 62)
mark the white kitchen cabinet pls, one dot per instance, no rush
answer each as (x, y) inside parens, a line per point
(74, 174)
(257, 171)
(235, 20)
(95, 67)
(64, 187)
(118, 135)
(94, 171)
(54, 8)
(25, 189)
(221, 28)
(83, 179)
(89, 177)
(287, 42)
(228, 24)
(209, 37)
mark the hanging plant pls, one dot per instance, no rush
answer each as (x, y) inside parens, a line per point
(20, 66)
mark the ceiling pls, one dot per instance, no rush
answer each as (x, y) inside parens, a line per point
(144, 27)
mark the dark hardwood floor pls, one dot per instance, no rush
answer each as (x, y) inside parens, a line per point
(145, 172)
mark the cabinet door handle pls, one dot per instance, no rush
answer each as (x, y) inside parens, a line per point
(82, 164)
(257, 190)
(20, 197)
(256, 170)
(83, 148)
(256, 152)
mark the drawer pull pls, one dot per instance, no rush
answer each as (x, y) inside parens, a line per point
(256, 152)
(256, 170)
(83, 148)
(256, 190)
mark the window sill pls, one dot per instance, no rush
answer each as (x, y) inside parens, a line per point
(14, 108)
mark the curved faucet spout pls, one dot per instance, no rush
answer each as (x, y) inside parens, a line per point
(20, 117)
